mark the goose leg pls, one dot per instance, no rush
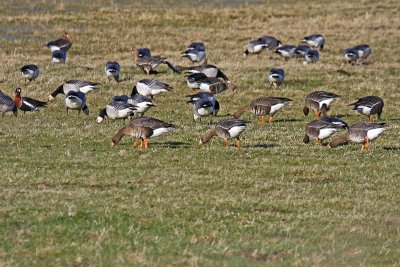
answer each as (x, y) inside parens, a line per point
(262, 120)
(366, 143)
(316, 115)
(141, 143)
(135, 143)
(271, 118)
(238, 142)
(146, 143)
(370, 118)
(226, 143)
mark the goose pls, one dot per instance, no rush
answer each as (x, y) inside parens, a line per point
(142, 128)
(58, 56)
(26, 103)
(143, 52)
(369, 106)
(116, 110)
(276, 77)
(193, 80)
(270, 42)
(320, 102)
(76, 101)
(255, 46)
(363, 51)
(74, 85)
(311, 56)
(112, 69)
(361, 133)
(148, 64)
(7, 104)
(300, 50)
(63, 43)
(215, 85)
(209, 70)
(267, 105)
(196, 52)
(226, 129)
(286, 51)
(322, 129)
(204, 104)
(141, 103)
(150, 87)
(351, 55)
(315, 40)
(198, 46)
(30, 72)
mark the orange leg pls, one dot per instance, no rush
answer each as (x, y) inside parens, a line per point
(271, 118)
(135, 143)
(362, 147)
(318, 142)
(370, 118)
(146, 143)
(316, 115)
(366, 143)
(238, 143)
(262, 120)
(226, 143)
(141, 143)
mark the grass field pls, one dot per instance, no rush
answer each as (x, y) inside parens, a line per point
(68, 199)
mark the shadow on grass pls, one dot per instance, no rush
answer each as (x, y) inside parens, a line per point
(287, 120)
(392, 148)
(262, 146)
(172, 144)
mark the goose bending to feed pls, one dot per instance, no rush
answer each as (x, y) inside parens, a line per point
(142, 128)
(315, 40)
(198, 46)
(7, 104)
(74, 85)
(226, 129)
(369, 106)
(286, 51)
(270, 42)
(112, 69)
(361, 133)
(26, 103)
(150, 87)
(311, 56)
(204, 104)
(193, 80)
(116, 110)
(363, 51)
(320, 102)
(276, 77)
(215, 85)
(76, 101)
(63, 43)
(301, 50)
(209, 70)
(262, 106)
(142, 52)
(351, 56)
(322, 129)
(58, 56)
(255, 46)
(142, 103)
(196, 53)
(30, 72)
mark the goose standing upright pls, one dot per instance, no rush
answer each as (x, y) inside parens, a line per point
(26, 103)
(7, 104)
(112, 69)
(76, 101)
(30, 72)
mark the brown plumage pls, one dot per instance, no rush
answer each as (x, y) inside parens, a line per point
(226, 129)
(369, 106)
(262, 106)
(320, 102)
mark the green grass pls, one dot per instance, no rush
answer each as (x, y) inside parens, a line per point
(68, 199)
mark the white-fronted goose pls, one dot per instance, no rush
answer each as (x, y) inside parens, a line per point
(276, 77)
(74, 85)
(320, 102)
(369, 106)
(322, 129)
(150, 87)
(226, 129)
(262, 106)
(286, 51)
(26, 103)
(142, 128)
(7, 104)
(204, 104)
(351, 55)
(315, 40)
(311, 56)
(112, 69)
(116, 110)
(63, 43)
(76, 101)
(30, 72)
(58, 56)
(361, 133)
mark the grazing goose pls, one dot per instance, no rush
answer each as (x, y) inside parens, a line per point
(204, 104)
(322, 129)
(116, 110)
(320, 102)
(150, 87)
(315, 40)
(286, 51)
(30, 72)
(141, 103)
(26, 103)
(196, 52)
(148, 64)
(63, 43)
(76, 101)
(351, 55)
(215, 85)
(58, 56)
(143, 52)
(255, 46)
(193, 80)
(142, 128)
(369, 106)
(270, 42)
(311, 56)
(226, 129)
(363, 51)
(262, 106)
(361, 133)
(301, 50)
(276, 77)
(74, 85)
(210, 71)
(112, 70)
(7, 104)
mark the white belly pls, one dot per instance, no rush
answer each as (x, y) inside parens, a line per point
(205, 111)
(74, 103)
(364, 110)
(325, 133)
(160, 131)
(277, 107)
(327, 102)
(374, 133)
(236, 131)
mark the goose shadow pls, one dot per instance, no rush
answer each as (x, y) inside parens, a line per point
(262, 146)
(391, 148)
(287, 120)
(172, 144)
